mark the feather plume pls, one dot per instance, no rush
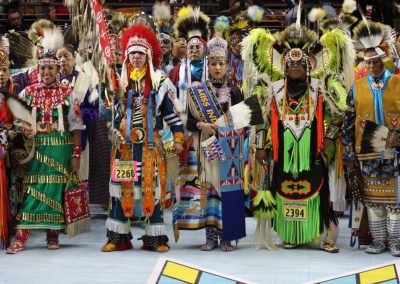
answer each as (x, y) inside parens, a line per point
(71, 4)
(221, 24)
(37, 29)
(255, 13)
(161, 11)
(339, 58)
(53, 39)
(349, 6)
(258, 49)
(316, 14)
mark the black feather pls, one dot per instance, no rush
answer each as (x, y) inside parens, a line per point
(368, 136)
(256, 113)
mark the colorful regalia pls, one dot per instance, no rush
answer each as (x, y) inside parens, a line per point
(165, 24)
(46, 176)
(215, 198)
(294, 129)
(234, 35)
(139, 117)
(373, 101)
(5, 126)
(334, 150)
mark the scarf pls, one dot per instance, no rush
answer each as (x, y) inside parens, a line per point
(377, 94)
(296, 88)
(196, 68)
(138, 73)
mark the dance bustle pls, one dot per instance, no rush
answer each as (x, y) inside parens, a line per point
(374, 138)
(246, 113)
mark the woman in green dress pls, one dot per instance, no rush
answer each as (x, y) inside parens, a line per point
(56, 136)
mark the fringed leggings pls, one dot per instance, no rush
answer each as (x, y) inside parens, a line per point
(384, 225)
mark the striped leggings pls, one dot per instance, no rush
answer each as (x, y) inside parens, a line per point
(384, 225)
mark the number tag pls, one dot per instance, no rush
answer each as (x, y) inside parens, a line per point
(124, 171)
(295, 211)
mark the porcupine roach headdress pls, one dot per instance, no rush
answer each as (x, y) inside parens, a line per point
(141, 38)
(191, 22)
(372, 35)
(41, 33)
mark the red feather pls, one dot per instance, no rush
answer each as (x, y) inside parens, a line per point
(142, 31)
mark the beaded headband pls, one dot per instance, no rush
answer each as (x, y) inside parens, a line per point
(48, 61)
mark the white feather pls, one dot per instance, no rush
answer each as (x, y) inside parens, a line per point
(349, 6)
(19, 111)
(349, 55)
(161, 11)
(53, 39)
(89, 69)
(238, 116)
(316, 14)
(194, 33)
(94, 95)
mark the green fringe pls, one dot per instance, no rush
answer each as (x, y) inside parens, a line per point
(265, 205)
(298, 232)
(296, 156)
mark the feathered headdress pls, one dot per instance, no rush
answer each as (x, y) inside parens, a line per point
(221, 24)
(52, 40)
(373, 35)
(191, 22)
(333, 53)
(141, 38)
(164, 22)
(238, 29)
(163, 19)
(37, 30)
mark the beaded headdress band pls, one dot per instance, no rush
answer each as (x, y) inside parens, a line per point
(48, 61)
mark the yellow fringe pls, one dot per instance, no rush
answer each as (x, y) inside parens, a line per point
(45, 199)
(45, 179)
(51, 163)
(78, 227)
(44, 217)
(54, 141)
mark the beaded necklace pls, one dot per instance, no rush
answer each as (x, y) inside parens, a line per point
(46, 99)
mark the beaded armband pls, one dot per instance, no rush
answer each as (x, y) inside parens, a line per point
(76, 152)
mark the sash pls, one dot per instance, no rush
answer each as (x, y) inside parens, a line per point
(205, 102)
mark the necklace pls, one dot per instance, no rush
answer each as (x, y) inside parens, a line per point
(223, 93)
